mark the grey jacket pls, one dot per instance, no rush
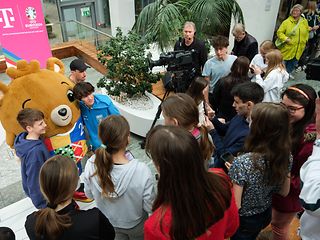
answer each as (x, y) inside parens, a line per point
(134, 187)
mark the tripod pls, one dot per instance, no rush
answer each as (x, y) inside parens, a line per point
(157, 116)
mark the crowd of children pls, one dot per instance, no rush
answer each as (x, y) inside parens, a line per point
(223, 174)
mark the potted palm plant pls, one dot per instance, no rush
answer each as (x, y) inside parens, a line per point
(162, 20)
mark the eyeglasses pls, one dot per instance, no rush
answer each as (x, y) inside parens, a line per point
(292, 109)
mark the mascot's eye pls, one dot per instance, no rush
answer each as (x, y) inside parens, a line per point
(70, 95)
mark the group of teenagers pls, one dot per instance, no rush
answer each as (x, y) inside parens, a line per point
(197, 196)
(228, 158)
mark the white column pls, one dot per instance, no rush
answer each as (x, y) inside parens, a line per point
(122, 14)
(260, 18)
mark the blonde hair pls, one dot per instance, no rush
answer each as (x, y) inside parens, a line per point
(311, 7)
(275, 60)
(267, 45)
(299, 6)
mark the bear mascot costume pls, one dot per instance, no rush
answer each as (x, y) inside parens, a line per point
(51, 93)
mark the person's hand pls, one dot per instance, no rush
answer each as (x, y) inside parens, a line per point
(208, 124)
(318, 117)
(222, 120)
(316, 27)
(256, 70)
(228, 165)
(210, 111)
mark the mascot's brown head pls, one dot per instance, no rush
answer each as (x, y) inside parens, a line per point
(42, 89)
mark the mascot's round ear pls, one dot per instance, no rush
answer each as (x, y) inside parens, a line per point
(23, 68)
(53, 62)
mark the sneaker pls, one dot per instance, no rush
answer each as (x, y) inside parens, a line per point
(298, 69)
(81, 197)
(291, 77)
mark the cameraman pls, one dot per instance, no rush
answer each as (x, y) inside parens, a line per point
(189, 42)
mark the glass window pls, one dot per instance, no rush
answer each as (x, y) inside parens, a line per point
(140, 4)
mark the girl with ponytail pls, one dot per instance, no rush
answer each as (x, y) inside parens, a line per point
(62, 219)
(123, 189)
(181, 110)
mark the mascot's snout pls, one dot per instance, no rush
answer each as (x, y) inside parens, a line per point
(61, 115)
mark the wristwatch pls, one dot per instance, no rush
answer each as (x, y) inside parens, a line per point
(317, 142)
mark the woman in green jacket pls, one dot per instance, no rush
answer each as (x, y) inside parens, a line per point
(294, 31)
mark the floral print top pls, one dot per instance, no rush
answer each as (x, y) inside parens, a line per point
(257, 194)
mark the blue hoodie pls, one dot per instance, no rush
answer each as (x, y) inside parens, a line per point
(33, 153)
(101, 108)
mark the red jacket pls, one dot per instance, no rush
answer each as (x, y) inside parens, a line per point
(221, 230)
(291, 202)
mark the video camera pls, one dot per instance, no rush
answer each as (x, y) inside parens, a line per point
(176, 60)
(180, 69)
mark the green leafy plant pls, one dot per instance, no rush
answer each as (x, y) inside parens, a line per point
(162, 20)
(127, 65)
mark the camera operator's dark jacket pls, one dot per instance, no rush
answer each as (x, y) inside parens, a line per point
(247, 47)
(201, 53)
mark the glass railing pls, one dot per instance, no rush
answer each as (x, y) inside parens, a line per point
(73, 30)
(70, 31)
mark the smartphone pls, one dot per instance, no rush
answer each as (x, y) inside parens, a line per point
(227, 157)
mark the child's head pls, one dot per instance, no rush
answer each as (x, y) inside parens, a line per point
(32, 120)
(170, 147)
(179, 161)
(246, 95)
(58, 180)
(300, 100)
(240, 67)
(270, 122)
(83, 91)
(220, 45)
(114, 132)
(274, 59)
(265, 47)
(196, 88)
(270, 136)
(180, 109)
(6, 234)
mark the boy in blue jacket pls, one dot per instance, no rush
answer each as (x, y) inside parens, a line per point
(32, 152)
(94, 108)
(229, 137)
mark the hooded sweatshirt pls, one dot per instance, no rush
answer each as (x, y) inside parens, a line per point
(133, 197)
(92, 116)
(310, 196)
(33, 153)
(273, 84)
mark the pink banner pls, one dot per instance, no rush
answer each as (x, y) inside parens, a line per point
(23, 33)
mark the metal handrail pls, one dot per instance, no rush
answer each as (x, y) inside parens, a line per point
(82, 24)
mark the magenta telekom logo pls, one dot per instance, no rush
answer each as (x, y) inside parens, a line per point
(6, 17)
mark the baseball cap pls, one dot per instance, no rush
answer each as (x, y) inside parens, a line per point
(78, 64)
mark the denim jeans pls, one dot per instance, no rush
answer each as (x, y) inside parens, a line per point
(251, 226)
(290, 64)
